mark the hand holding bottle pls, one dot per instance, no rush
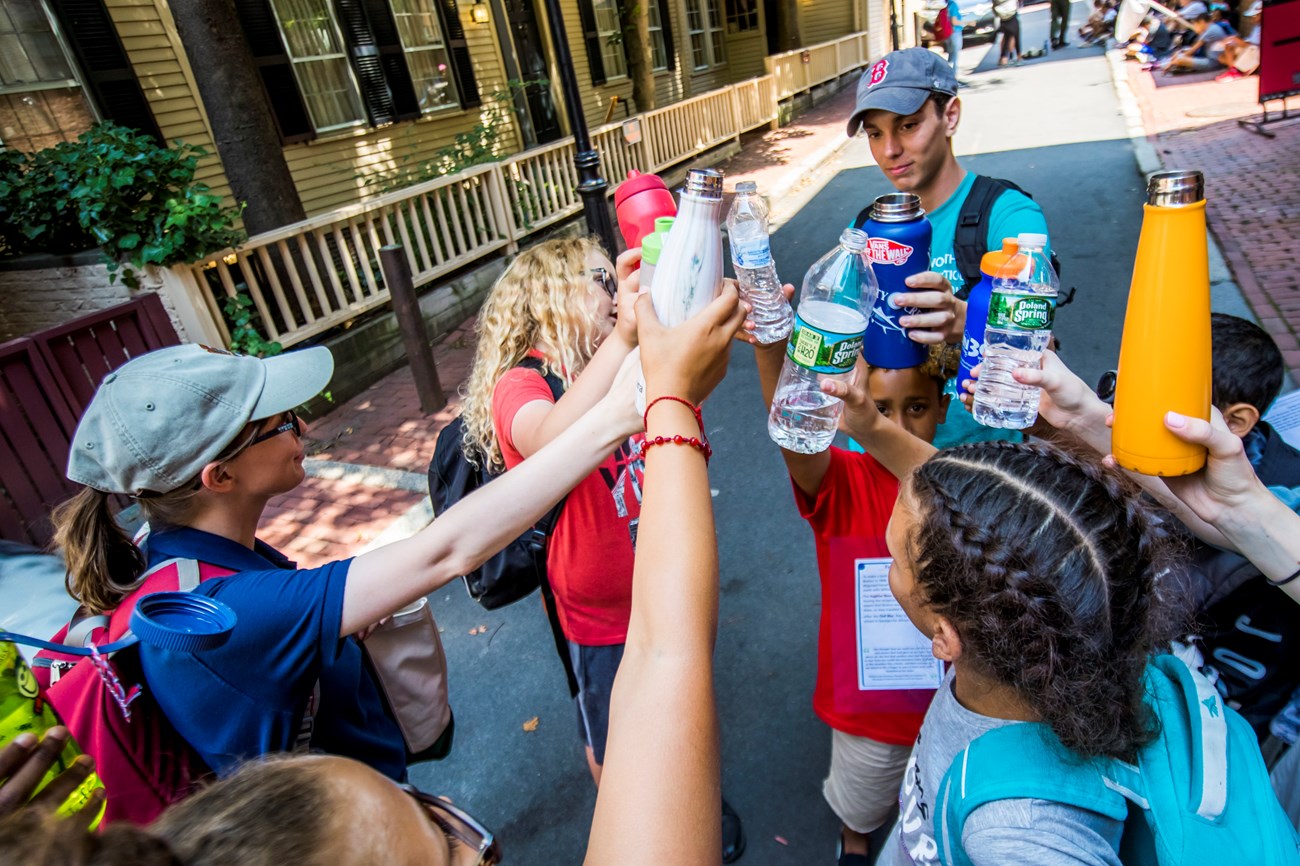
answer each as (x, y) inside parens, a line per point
(690, 359)
(941, 317)
(25, 762)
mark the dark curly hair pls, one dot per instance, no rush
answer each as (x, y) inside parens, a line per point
(1047, 564)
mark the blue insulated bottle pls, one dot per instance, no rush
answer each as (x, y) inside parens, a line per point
(898, 246)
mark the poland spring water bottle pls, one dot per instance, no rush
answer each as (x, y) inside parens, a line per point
(837, 296)
(899, 247)
(751, 254)
(688, 275)
(1019, 328)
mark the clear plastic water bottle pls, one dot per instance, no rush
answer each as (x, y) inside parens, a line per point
(837, 296)
(1019, 328)
(751, 255)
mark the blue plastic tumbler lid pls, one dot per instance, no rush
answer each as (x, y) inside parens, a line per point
(182, 621)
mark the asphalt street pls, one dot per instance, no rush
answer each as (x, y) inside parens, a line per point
(1054, 127)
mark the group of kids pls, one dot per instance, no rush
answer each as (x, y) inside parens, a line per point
(1201, 37)
(1042, 578)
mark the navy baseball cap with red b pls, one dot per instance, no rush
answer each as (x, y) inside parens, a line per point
(900, 82)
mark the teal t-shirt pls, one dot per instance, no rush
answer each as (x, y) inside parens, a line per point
(1012, 214)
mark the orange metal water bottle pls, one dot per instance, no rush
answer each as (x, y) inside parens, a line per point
(1164, 359)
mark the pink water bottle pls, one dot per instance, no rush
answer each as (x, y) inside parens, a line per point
(639, 201)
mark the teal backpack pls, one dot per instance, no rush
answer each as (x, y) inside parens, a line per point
(1199, 794)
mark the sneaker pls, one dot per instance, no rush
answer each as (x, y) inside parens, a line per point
(1229, 75)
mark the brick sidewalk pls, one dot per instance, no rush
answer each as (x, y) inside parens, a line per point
(383, 427)
(1252, 188)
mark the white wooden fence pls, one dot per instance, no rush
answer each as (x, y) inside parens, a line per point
(310, 276)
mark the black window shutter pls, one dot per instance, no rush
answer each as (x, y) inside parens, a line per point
(361, 34)
(595, 60)
(392, 58)
(276, 70)
(461, 63)
(666, 28)
(110, 81)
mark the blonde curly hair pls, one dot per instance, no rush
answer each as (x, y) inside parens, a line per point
(539, 302)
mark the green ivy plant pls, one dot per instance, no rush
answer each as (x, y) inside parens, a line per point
(116, 189)
(245, 337)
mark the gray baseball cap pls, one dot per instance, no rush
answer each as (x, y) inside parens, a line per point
(157, 420)
(900, 82)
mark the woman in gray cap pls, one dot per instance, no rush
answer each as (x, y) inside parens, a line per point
(203, 439)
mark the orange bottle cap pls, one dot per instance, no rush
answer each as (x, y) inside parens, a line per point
(995, 261)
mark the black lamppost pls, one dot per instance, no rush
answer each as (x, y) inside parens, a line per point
(591, 186)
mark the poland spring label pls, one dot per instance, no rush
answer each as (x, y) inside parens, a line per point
(753, 252)
(823, 351)
(1021, 312)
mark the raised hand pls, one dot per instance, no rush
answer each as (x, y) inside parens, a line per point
(628, 270)
(689, 360)
(860, 413)
(1227, 482)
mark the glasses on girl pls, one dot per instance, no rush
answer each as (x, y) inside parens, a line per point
(291, 423)
(606, 281)
(459, 827)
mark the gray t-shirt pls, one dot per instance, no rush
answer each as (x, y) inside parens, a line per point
(1005, 831)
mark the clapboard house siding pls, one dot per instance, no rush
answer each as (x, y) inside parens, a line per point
(823, 21)
(158, 59)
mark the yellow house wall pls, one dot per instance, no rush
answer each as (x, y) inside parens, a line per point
(824, 20)
(330, 171)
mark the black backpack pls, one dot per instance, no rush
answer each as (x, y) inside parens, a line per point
(970, 241)
(515, 571)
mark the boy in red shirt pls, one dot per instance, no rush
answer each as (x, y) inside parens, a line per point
(847, 499)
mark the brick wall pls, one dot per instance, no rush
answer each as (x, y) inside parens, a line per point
(35, 298)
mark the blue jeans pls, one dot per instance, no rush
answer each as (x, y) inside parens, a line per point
(952, 46)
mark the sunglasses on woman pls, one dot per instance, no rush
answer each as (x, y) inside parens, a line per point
(292, 423)
(606, 281)
(459, 827)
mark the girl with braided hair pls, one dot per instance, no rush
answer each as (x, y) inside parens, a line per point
(1034, 572)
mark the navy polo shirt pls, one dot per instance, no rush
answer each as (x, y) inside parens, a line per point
(247, 697)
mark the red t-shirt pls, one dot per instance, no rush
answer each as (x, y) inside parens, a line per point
(589, 560)
(848, 517)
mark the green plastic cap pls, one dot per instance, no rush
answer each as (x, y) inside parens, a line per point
(652, 245)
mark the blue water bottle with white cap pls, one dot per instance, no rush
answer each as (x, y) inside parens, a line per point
(898, 246)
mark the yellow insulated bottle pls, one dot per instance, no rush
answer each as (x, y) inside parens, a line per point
(1164, 359)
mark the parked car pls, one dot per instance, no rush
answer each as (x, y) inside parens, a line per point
(978, 20)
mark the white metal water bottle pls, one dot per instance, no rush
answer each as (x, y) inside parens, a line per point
(689, 273)
(1019, 328)
(751, 255)
(838, 294)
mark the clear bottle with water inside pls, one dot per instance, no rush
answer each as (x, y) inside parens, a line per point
(1021, 311)
(751, 255)
(834, 304)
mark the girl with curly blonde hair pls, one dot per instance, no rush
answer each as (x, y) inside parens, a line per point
(558, 311)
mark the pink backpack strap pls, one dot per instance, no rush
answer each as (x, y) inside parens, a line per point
(172, 575)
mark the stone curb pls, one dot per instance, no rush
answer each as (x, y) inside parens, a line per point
(806, 166)
(368, 476)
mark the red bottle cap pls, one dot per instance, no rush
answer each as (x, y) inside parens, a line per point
(636, 182)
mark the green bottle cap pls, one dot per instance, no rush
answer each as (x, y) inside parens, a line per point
(652, 245)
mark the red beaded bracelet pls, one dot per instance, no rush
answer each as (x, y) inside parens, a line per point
(701, 445)
(695, 410)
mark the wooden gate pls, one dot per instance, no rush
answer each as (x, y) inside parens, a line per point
(46, 382)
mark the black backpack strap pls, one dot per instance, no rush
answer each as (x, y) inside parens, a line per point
(541, 536)
(970, 242)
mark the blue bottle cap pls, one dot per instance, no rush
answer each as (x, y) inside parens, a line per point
(182, 621)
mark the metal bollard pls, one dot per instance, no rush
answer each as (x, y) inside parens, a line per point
(406, 306)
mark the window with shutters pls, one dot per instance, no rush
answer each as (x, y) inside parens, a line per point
(742, 15)
(426, 54)
(320, 63)
(42, 101)
(611, 39)
(658, 47)
(704, 25)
